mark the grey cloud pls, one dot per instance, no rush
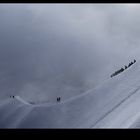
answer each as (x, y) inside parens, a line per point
(46, 49)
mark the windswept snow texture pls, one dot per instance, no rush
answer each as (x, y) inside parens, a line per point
(113, 104)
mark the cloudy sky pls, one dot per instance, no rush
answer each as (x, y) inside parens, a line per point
(49, 49)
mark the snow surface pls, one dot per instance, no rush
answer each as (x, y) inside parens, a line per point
(113, 104)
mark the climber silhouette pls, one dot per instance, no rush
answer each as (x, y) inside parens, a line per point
(58, 99)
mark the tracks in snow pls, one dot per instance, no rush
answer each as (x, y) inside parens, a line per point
(116, 106)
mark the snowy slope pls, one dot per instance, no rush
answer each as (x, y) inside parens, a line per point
(115, 103)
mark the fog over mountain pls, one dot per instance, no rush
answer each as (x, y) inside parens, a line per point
(49, 49)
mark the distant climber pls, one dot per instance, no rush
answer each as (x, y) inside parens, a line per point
(122, 69)
(129, 64)
(125, 67)
(12, 96)
(58, 99)
(134, 60)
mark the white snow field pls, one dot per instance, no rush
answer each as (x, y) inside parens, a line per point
(113, 104)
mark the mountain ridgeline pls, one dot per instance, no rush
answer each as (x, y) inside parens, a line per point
(122, 69)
